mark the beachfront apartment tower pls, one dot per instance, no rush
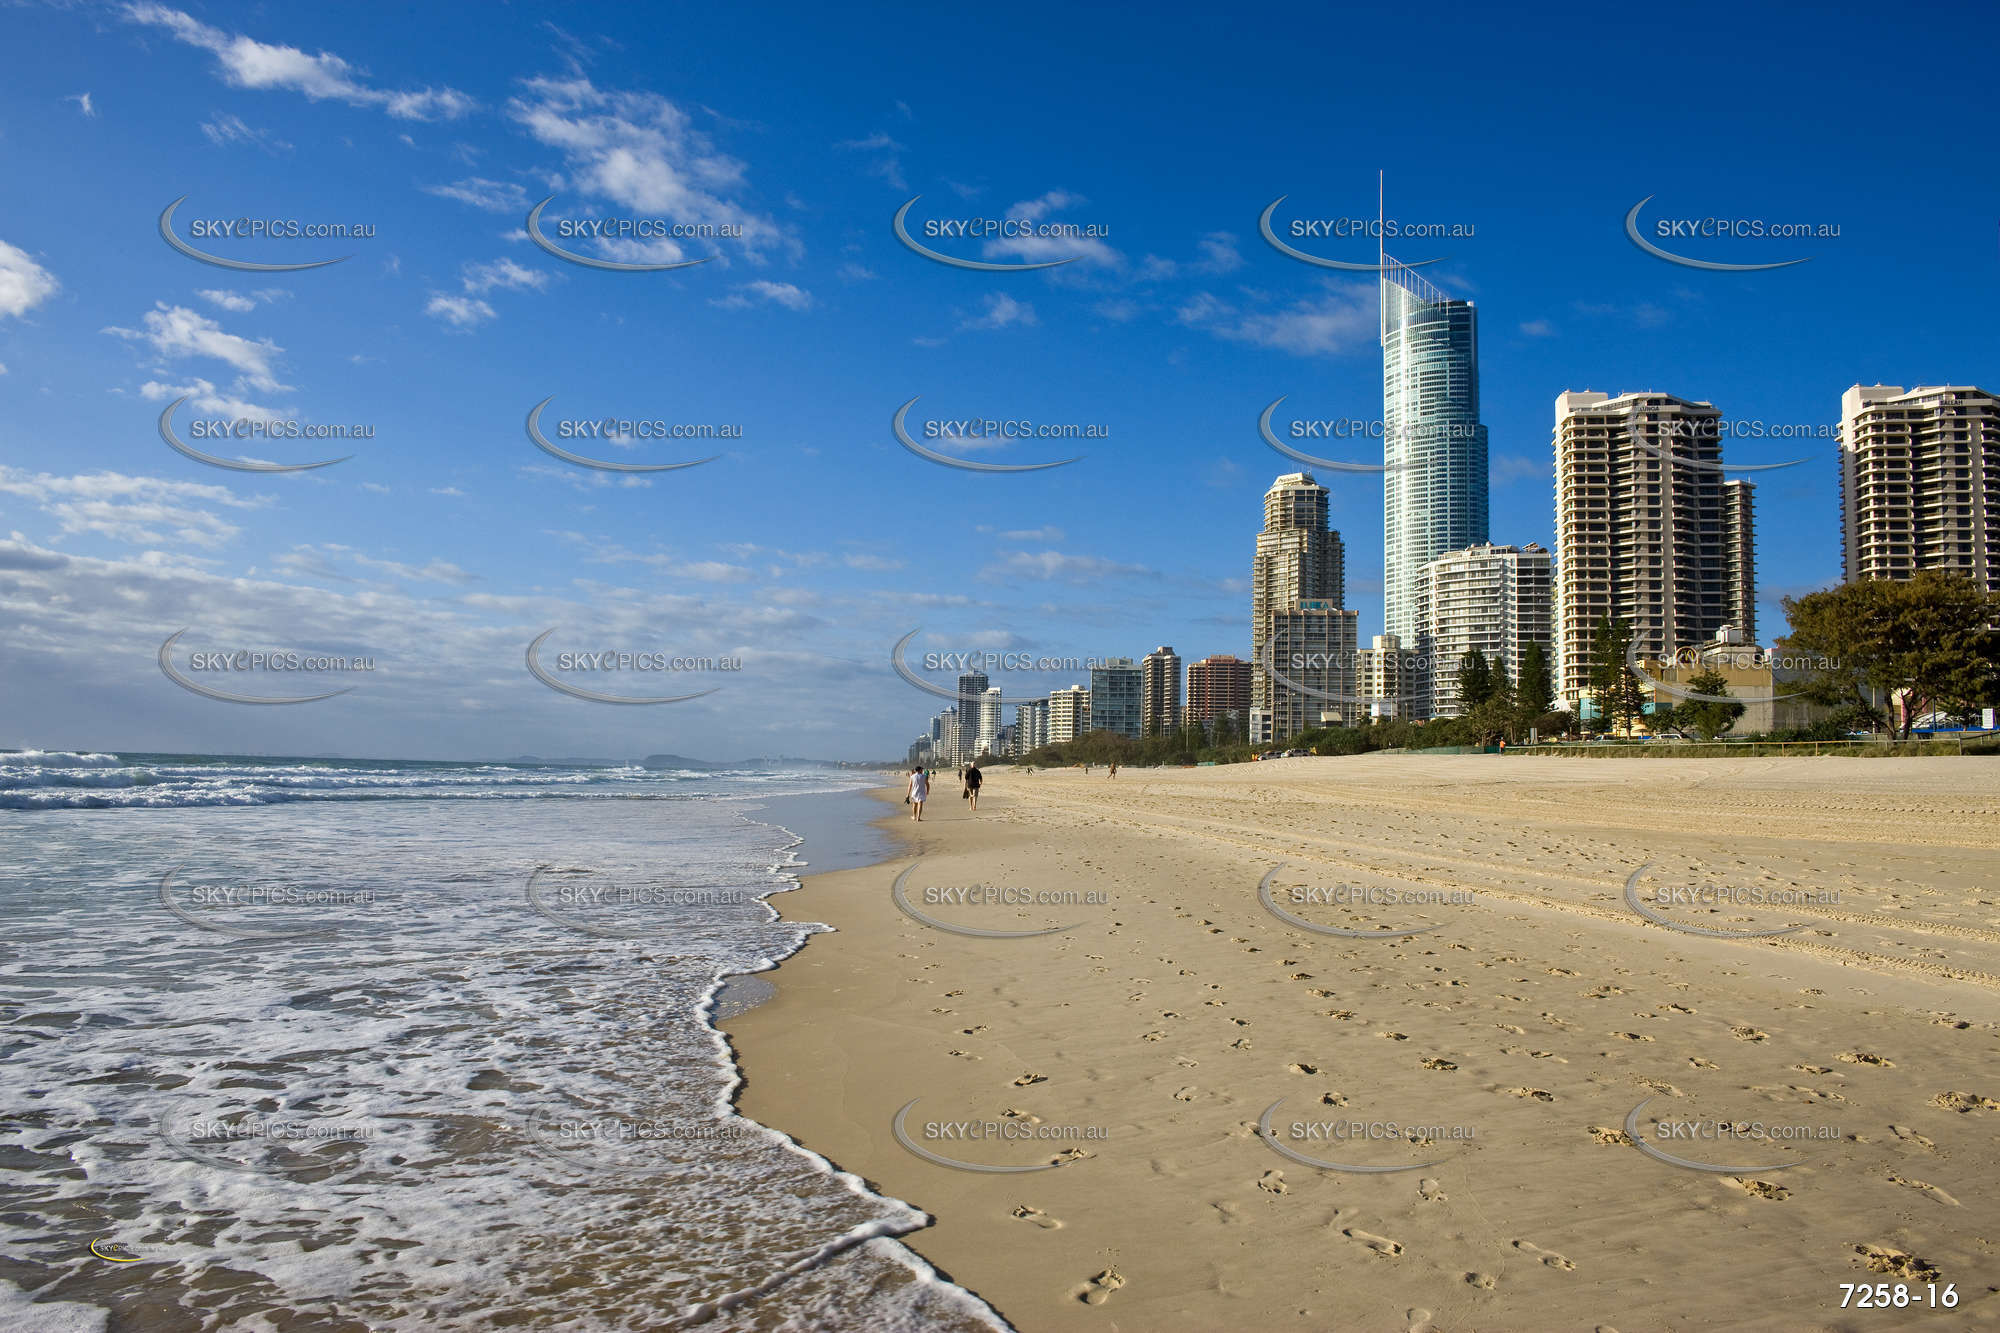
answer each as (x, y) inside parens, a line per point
(1385, 677)
(1160, 692)
(1069, 714)
(1920, 482)
(1312, 649)
(1116, 688)
(1031, 726)
(1299, 559)
(989, 723)
(1218, 684)
(1433, 445)
(1644, 530)
(1495, 599)
(971, 690)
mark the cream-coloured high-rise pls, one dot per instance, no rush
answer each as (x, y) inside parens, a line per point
(1647, 529)
(1920, 482)
(1495, 599)
(1069, 713)
(1160, 692)
(1299, 559)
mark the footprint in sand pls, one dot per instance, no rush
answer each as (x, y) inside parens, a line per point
(1027, 1079)
(1273, 1182)
(1610, 1138)
(1908, 1135)
(1923, 1188)
(1393, 1036)
(1537, 1093)
(1900, 1263)
(1760, 1189)
(1700, 1063)
(1302, 1069)
(1184, 1095)
(1435, 1063)
(1864, 1058)
(1037, 1216)
(1098, 1290)
(1381, 1245)
(1548, 1257)
(1964, 1102)
(1430, 1191)
(1748, 1034)
(1630, 1036)
(1483, 1281)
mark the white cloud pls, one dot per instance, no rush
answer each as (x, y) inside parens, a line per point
(225, 131)
(1057, 566)
(1338, 320)
(131, 509)
(228, 300)
(1002, 311)
(778, 293)
(493, 196)
(247, 63)
(448, 490)
(176, 331)
(502, 273)
(24, 284)
(82, 101)
(207, 399)
(461, 312)
(885, 160)
(1538, 328)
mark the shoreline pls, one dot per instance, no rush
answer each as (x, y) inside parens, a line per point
(1178, 1012)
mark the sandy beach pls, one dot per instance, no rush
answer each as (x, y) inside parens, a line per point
(1832, 1093)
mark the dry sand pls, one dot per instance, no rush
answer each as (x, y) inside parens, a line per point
(1533, 1018)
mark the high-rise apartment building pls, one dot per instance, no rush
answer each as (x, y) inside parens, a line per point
(971, 692)
(1495, 599)
(1218, 684)
(1115, 694)
(989, 723)
(1434, 492)
(1385, 677)
(1739, 558)
(1920, 482)
(1643, 530)
(1031, 726)
(1299, 559)
(1160, 692)
(1069, 714)
(1312, 667)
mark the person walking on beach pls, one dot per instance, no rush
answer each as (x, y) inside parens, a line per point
(1114, 770)
(920, 790)
(973, 777)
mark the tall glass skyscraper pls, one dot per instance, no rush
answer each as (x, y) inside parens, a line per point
(1434, 492)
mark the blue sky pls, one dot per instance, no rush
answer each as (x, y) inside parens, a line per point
(815, 542)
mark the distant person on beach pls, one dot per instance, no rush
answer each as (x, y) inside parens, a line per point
(973, 777)
(1114, 770)
(920, 790)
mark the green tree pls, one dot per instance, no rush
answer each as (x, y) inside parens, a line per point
(1475, 681)
(1923, 644)
(1613, 687)
(1708, 718)
(1534, 693)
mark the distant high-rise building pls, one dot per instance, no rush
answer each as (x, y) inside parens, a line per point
(944, 737)
(971, 691)
(1385, 676)
(1069, 714)
(1434, 492)
(1160, 692)
(1644, 532)
(1312, 664)
(1031, 726)
(1495, 599)
(989, 723)
(1920, 482)
(1216, 685)
(1299, 559)
(1739, 557)
(1115, 693)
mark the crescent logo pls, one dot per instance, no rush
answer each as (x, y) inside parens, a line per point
(902, 668)
(1705, 466)
(903, 905)
(236, 932)
(1297, 688)
(535, 235)
(1632, 901)
(113, 1245)
(542, 909)
(903, 1137)
(167, 666)
(1264, 429)
(174, 442)
(903, 438)
(541, 442)
(240, 265)
(596, 697)
(1264, 225)
(1632, 231)
(1272, 1141)
(903, 235)
(1686, 1163)
(1632, 664)
(1271, 905)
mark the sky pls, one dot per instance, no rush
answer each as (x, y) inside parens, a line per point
(446, 542)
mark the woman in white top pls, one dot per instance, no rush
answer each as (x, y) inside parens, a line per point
(920, 789)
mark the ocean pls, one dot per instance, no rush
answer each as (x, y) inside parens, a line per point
(348, 1045)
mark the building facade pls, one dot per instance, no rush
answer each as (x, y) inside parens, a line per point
(1116, 690)
(1493, 599)
(989, 723)
(1299, 559)
(1160, 692)
(1434, 493)
(1312, 655)
(1643, 533)
(1069, 714)
(1218, 684)
(1920, 482)
(1031, 726)
(1387, 678)
(971, 695)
